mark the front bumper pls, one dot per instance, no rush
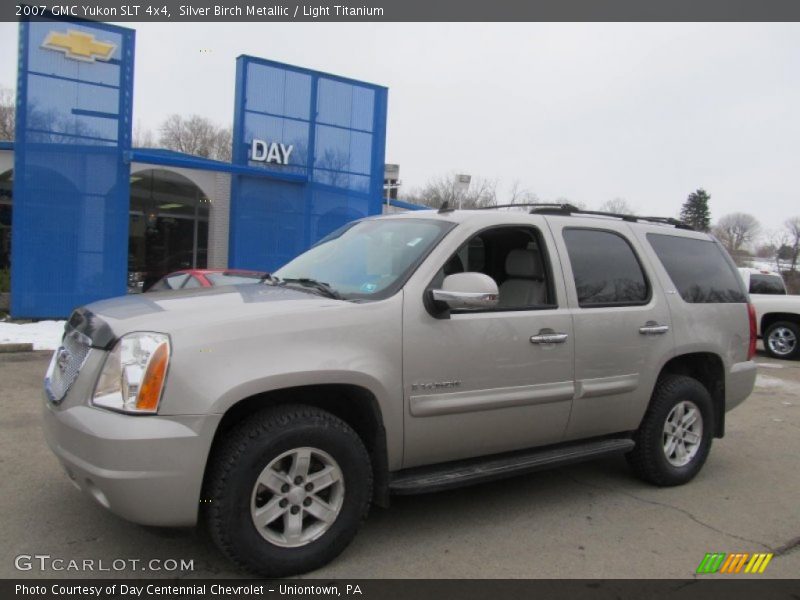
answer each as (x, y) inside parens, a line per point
(740, 383)
(147, 469)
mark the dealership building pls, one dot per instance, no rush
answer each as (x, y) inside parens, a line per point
(90, 216)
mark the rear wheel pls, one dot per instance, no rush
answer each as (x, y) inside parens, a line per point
(287, 490)
(782, 340)
(674, 439)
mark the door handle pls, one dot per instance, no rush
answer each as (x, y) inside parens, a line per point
(549, 338)
(653, 328)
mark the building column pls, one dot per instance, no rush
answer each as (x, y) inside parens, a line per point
(219, 222)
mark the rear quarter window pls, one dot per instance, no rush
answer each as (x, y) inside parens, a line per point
(698, 269)
(766, 284)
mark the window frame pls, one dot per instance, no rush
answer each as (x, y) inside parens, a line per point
(544, 251)
(648, 285)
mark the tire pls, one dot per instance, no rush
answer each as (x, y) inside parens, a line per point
(782, 340)
(251, 454)
(649, 459)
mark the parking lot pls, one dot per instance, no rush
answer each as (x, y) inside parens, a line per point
(587, 521)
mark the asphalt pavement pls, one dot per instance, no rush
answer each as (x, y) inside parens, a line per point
(592, 520)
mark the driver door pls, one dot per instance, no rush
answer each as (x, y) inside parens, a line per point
(475, 383)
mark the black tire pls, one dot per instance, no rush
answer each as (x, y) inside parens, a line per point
(776, 327)
(237, 463)
(648, 459)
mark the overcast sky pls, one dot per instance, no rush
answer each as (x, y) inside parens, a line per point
(589, 112)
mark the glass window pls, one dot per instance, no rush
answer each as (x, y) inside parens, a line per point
(515, 258)
(698, 268)
(192, 282)
(767, 284)
(170, 282)
(367, 259)
(605, 268)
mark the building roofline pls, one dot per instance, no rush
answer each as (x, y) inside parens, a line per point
(171, 158)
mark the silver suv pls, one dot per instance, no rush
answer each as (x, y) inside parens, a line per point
(402, 354)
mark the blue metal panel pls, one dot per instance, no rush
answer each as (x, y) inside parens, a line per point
(71, 190)
(337, 128)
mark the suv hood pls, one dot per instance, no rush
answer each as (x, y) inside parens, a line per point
(167, 312)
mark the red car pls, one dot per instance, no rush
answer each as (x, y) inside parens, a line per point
(196, 278)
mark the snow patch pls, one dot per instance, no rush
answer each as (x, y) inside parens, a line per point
(769, 365)
(44, 335)
(773, 383)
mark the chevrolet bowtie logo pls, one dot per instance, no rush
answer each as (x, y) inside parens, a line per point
(78, 45)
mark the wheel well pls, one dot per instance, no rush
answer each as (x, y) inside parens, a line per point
(771, 318)
(354, 405)
(708, 369)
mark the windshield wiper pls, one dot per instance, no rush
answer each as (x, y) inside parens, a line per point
(320, 286)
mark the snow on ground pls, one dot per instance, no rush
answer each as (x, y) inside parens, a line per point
(778, 385)
(44, 335)
(766, 365)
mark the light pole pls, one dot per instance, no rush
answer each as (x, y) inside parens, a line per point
(461, 187)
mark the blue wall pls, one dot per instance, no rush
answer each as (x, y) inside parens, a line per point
(337, 128)
(71, 190)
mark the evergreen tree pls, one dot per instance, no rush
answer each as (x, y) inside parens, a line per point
(695, 211)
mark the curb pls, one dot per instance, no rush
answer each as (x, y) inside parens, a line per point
(6, 348)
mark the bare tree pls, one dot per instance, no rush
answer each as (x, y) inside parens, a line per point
(736, 231)
(793, 230)
(143, 138)
(196, 135)
(520, 195)
(445, 188)
(7, 113)
(774, 246)
(618, 206)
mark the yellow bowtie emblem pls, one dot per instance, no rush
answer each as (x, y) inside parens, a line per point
(78, 45)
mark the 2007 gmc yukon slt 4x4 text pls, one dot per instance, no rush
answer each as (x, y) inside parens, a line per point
(401, 354)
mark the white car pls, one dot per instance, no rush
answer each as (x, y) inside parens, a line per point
(777, 312)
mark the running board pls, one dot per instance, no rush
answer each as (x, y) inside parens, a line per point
(420, 480)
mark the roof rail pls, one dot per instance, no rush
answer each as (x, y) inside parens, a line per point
(558, 205)
(565, 209)
(568, 209)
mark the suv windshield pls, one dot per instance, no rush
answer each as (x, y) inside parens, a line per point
(368, 259)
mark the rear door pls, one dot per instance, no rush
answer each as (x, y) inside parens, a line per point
(622, 324)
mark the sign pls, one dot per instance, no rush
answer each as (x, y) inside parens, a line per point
(79, 45)
(277, 153)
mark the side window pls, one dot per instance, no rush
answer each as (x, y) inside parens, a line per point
(605, 268)
(170, 282)
(192, 282)
(515, 258)
(698, 269)
(767, 284)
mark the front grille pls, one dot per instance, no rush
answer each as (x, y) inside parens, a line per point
(66, 364)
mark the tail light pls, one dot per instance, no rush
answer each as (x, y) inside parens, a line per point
(751, 350)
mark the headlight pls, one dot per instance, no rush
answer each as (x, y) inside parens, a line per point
(133, 374)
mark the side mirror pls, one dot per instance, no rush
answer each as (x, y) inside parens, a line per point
(467, 291)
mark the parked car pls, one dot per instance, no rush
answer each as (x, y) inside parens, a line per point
(777, 312)
(402, 354)
(197, 278)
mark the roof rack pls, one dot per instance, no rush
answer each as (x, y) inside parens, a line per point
(527, 204)
(562, 208)
(568, 209)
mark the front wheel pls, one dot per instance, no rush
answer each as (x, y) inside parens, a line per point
(782, 340)
(287, 490)
(674, 438)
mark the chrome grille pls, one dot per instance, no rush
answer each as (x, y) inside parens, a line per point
(66, 364)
